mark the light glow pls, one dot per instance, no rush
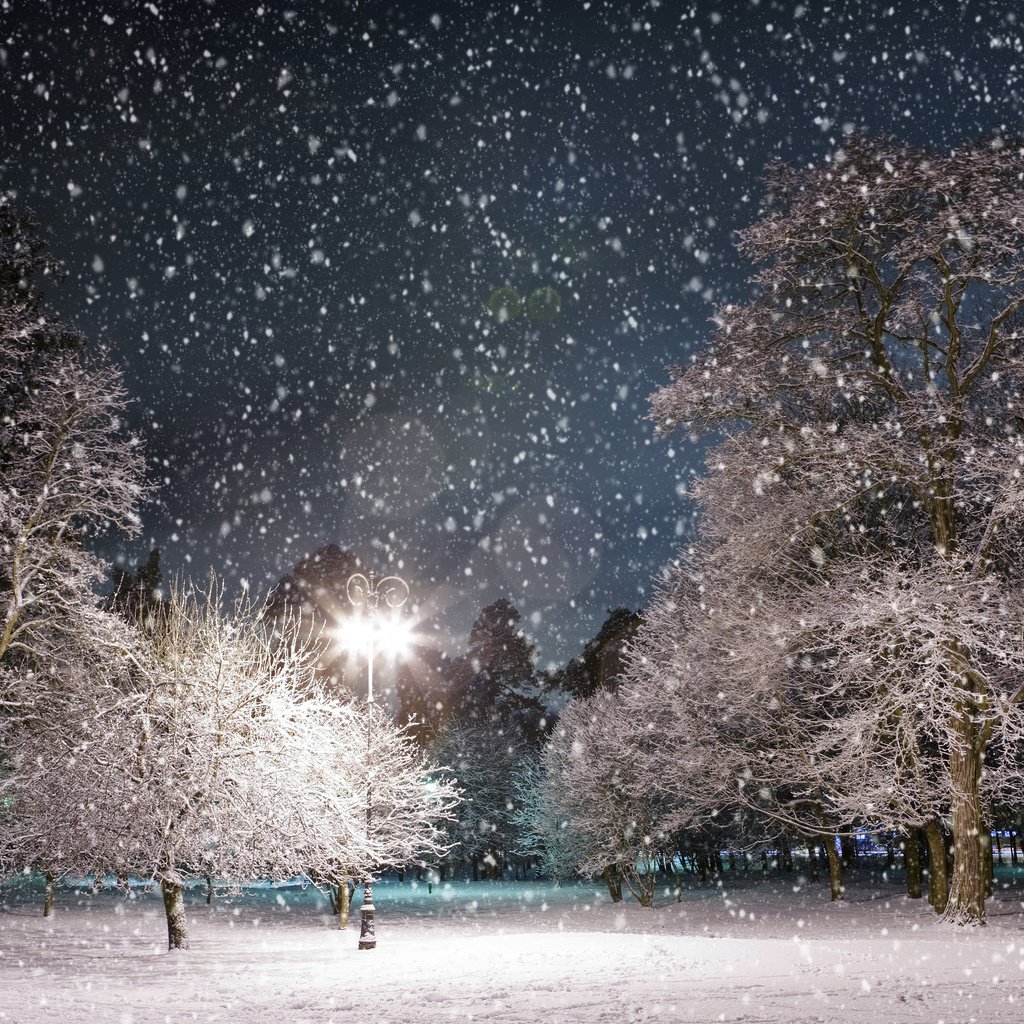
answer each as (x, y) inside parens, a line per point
(393, 635)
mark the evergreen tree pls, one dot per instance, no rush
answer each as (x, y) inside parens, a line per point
(137, 595)
(495, 681)
(599, 665)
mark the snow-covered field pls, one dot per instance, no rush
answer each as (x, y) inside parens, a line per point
(514, 952)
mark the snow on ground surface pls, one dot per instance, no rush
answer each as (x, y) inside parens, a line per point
(519, 953)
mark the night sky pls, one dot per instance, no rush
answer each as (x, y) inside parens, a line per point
(402, 277)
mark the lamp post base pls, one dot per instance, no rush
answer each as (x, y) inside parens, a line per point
(367, 934)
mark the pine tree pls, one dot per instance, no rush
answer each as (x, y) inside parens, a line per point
(495, 681)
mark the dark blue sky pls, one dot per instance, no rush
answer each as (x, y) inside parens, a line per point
(287, 222)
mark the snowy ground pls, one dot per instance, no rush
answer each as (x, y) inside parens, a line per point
(514, 952)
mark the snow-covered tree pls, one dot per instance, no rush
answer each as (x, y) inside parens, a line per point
(543, 830)
(220, 757)
(874, 380)
(613, 822)
(414, 798)
(751, 713)
(486, 761)
(62, 799)
(67, 469)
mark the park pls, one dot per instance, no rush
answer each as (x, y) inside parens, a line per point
(511, 512)
(748, 949)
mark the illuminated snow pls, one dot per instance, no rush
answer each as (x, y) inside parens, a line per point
(526, 952)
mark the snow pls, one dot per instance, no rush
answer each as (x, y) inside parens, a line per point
(773, 950)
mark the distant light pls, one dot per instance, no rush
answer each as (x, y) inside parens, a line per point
(393, 635)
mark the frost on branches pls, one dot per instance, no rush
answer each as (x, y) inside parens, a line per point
(600, 808)
(846, 639)
(218, 757)
(66, 468)
(66, 471)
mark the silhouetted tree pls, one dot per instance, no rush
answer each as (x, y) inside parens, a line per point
(601, 661)
(495, 682)
(137, 594)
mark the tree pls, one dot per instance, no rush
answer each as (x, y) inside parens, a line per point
(599, 665)
(406, 802)
(603, 809)
(23, 258)
(314, 591)
(485, 759)
(420, 683)
(494, 719)
(878, 368)
(61, 809)
(136, 595)
(757, 679)
(313, 601)
(495, 681)
(221, 756)
(542, 832)
(66, 471)
(66, 468)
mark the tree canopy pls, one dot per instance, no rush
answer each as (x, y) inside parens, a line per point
(850, 620)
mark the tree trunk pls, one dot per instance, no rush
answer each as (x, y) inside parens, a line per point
(835, 870)
(938, 879)
(614, 882)
(677, 881)
(343, 902)
(174, 908)
(48, 896)
(823, 852)
(642, 884)
(912, 863)
(785, 854)
(209, 889)
(967, 893)
(988, 867)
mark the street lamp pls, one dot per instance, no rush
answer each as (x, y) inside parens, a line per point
(367, 592)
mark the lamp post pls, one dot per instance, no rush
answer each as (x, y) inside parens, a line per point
(367, 592)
